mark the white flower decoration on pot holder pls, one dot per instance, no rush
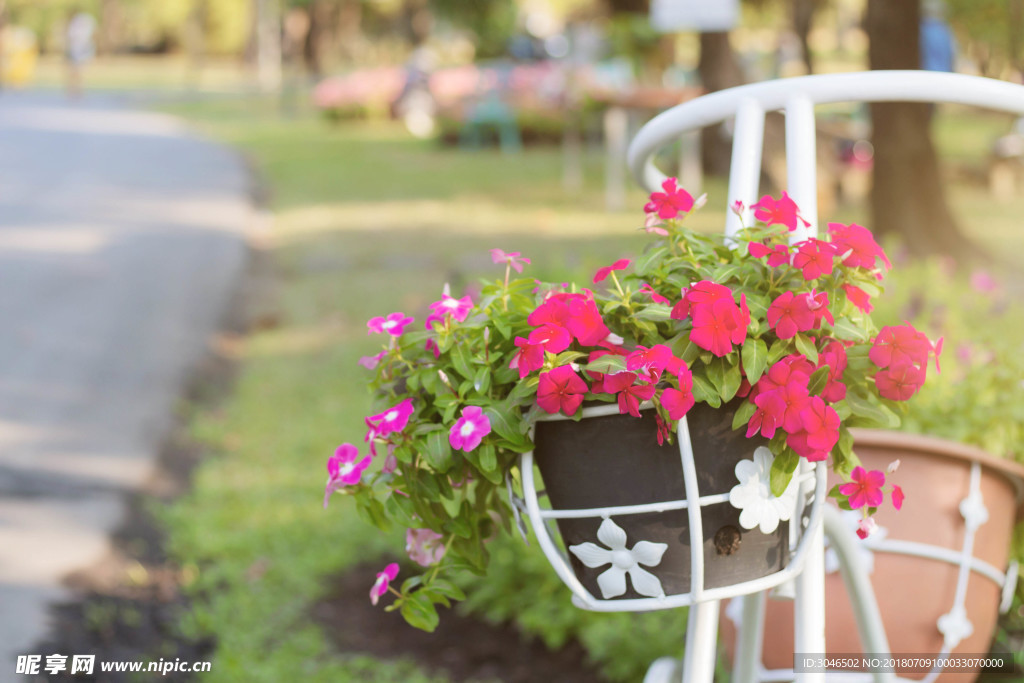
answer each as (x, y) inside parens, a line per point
(753, 495)
(612, 581)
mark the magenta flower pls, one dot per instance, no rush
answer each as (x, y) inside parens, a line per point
(777, 256)
(859, 298)
(899, 344)
(670, 203)
(982, 282)
(424, 546)
(603, 273)
(897, 497)
(458, 309)
(561, 389)
(814, 258)
(782, 211)
(865, 488)
(343, 469)
(529, 358)
(820, 430)
(394, 324)
(384, 579)
(512, 258)
(658, 298)
(899, 381)
(431, 345)
(856, 239)
(391, 420)
(789, 314)
(679, 401)
(371, 362)
(834, 356)
(470, 429)
(575, 312)
(652, 225)
(652, 362)
(552, 337)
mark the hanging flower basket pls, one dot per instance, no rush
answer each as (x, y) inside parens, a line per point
(622, 504)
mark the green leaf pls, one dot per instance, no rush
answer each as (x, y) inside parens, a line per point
(505, 422)
(776, 352)
(805, 345)
(420, 612)
(731, 382)
(609, 364)
(690, 353)
(372, 511)
(642, 266)
(488, 458)
(727, 272)
(482, 380)
(783, 468)
(716, 374)
(755, 359)
(704, 392)
(461, 360)
(438, 452)
(872, 413)
(844, 328)
(654, 312)
(447, 588)
(819, 378)
(743, 414)
(400, 508)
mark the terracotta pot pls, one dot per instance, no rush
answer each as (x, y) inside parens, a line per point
(914, 592)
(616, 460)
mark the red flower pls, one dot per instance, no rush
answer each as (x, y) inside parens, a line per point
(703, 292)
(631, 396)
(529, 358)
(820, 431)
(575, 312)
(789, 314)
(560, 389)
(603, 273)
(859, 298)
(552, 336)
(900, 381)
(679, 401)
(658, 298)
(718, 322)
(814, 258)
(777, 255)
(651, 362)
(834, 356)
(670, 203)
(897, 497)
(778, 211)
(865, 488)
(856, 239)
(899, 344)
(780, 396)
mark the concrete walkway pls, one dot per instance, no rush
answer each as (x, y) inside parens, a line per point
(121, 235)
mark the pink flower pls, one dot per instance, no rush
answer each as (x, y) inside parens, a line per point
(371, 362)
(789, 314)
(424, 546)
(900, 381)
(384, 579)
(781, 395)
(670, 203)
(820, 430)
(899, 344)
(394, 324)
(511, 258)
(390, 462)
(818, 303)
(778, 211)
(458, 309)
(777, 255)
(897, 497)
(560, 389)
(529, 358)
(866, 527)
(718, 322)
(431, 345)
(859, 298)
(704, 292)
(679, 401)
(865, 488)
(603, 273)
(651, 362)
(658, 298)
(814, 258)
(630, 397)
(834, 356)
(652, 223)
(577, 313)
(343, 470)
(982, 282)
(391, 420)
(470, 429)
(856, 239)
(552, 337)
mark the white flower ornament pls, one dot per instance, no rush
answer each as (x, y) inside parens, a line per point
(753, 495)
(612, 581)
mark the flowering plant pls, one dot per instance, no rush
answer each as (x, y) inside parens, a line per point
(780, 333)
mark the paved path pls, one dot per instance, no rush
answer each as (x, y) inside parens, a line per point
(121, 235)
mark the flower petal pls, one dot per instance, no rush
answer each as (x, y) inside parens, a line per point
(645, 583)
(612, 535)
(648, 553)
(591, 555)
(612, 582)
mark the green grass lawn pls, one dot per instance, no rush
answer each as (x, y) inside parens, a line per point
(368, 221)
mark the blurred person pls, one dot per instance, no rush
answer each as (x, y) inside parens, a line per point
(78, 48)
(938, 47)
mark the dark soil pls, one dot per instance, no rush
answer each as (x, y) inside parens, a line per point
(463, 648)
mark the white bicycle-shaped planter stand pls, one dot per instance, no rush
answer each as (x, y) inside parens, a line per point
(803, 575)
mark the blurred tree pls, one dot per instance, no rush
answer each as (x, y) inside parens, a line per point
(802, 13)
(492, 22)
(992, 32)
(907, 197)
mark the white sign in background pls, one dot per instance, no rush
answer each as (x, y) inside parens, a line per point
(669, 16)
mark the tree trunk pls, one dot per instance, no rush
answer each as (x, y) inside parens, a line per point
(312, 47)
(803, 17)
(907, 197)
(719, 68)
